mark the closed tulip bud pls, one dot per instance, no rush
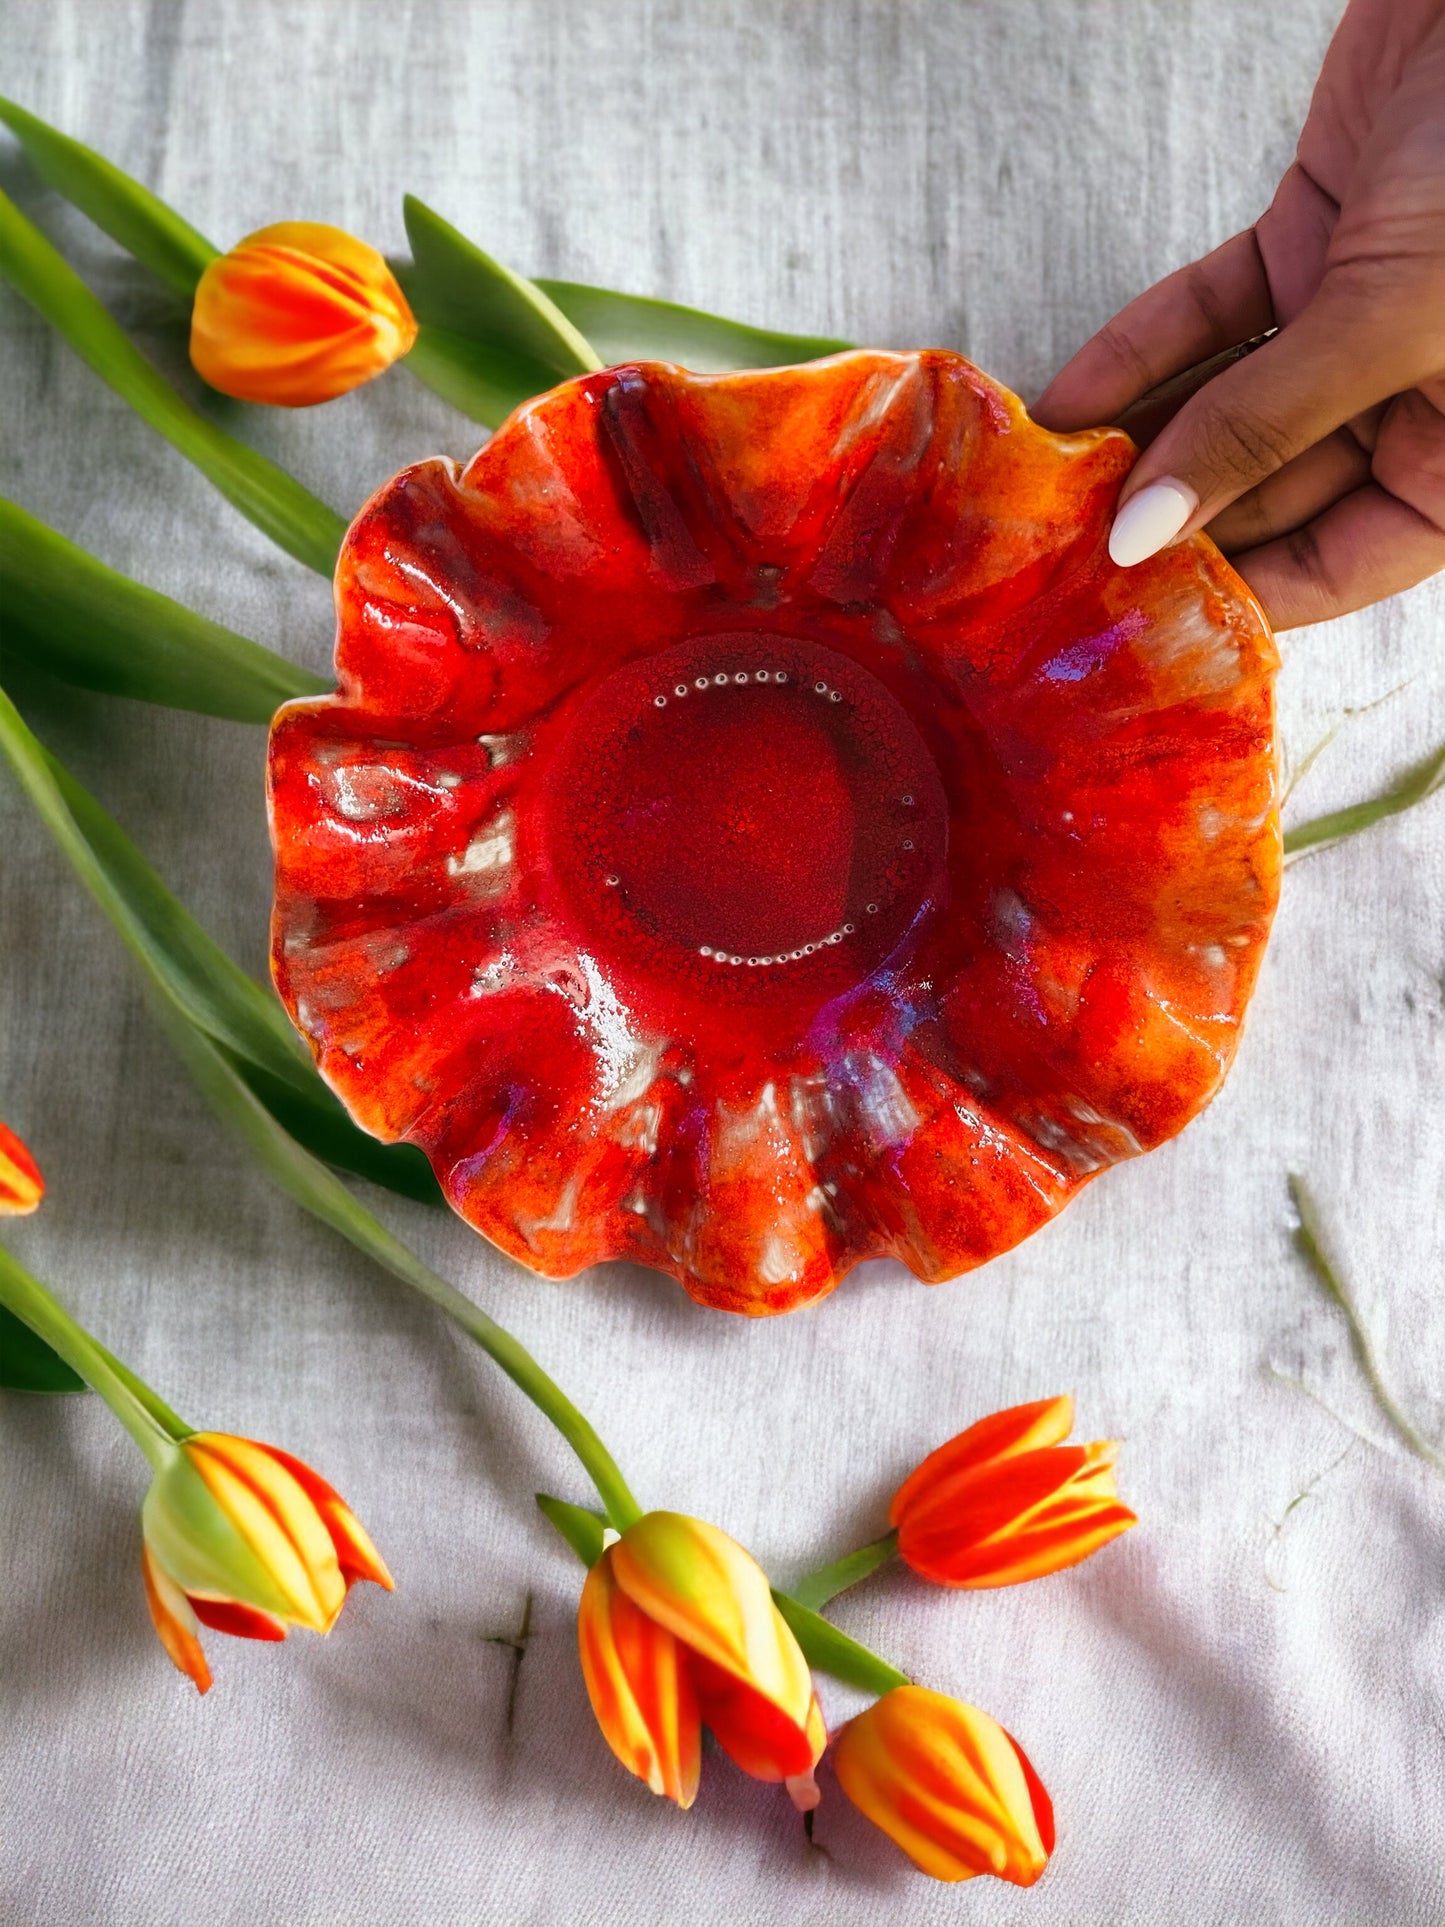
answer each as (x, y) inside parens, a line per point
(1007, 1501)
(21, 1185)
(949, 1785)
(245, 1539)
(298, 313)
(677, 1630)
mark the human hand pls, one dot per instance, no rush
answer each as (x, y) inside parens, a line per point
(1317, 463)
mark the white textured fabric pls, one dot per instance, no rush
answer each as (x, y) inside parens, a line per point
(1240, 1720)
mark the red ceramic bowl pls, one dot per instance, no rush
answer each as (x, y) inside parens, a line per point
(758, 829)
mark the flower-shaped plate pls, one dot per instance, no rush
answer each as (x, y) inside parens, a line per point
(758, 829)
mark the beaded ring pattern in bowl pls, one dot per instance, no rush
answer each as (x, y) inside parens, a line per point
(758, 829)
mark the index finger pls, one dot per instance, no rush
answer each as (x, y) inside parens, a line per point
(1196, 312)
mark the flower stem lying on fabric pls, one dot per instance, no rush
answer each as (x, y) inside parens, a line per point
(826, 1582)
(148, 1419)
(1421, 780)
(1309, 1241)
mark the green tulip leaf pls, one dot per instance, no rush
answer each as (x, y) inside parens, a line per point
(477, 381)
(318, 1120)
(1420, 780)
(70, 615)
(489, 339)
(632, 327)
(581, 1527)
(194, 976)
(279, 506)
(27, 1363)
(832, 1651)
(121, 207)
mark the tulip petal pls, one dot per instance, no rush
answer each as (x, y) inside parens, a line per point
(639, 1683)
(948, 1785)
(713, 1596)
(1038, 1794)
(1021, 1428)
(242, 1622)
(21, 1185)
(803, 1787)
(357, 1557)
(277, 1520)
(175, 1622)
(195, 1541)
(756, 1734)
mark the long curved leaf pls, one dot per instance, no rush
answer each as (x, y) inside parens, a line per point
(27, 1364)
(831, 1650)
(462, 288)
(481, 382)
(195, 977)
(294, 518)
(488, 338)
(1420, 780)
(579, 1525)
(121, 207)
(628, 327)
(69, 614)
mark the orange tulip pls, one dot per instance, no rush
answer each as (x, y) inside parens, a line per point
(677, 1629)
(245, 1539)
(21, 1185)
(948, 1784)
(1006, 1501)
(298, 313)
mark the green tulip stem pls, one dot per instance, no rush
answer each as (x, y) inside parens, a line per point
(518, 1364)
(818, 1587)
(144, 1414)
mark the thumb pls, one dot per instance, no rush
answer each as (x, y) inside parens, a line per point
(1329, 364)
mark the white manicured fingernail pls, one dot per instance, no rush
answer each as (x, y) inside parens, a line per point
(1148, 520)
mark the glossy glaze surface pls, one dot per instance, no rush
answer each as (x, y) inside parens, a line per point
(758, 829)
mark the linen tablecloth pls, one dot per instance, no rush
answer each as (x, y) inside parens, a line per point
(1241, 1715)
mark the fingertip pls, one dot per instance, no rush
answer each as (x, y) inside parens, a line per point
(1150, 520)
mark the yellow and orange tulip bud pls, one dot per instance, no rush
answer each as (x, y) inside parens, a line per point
(1007, 1500)
(298, 313)
(677, 1630)
(21, 1185)
(949, 1785)
(244, 1539)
